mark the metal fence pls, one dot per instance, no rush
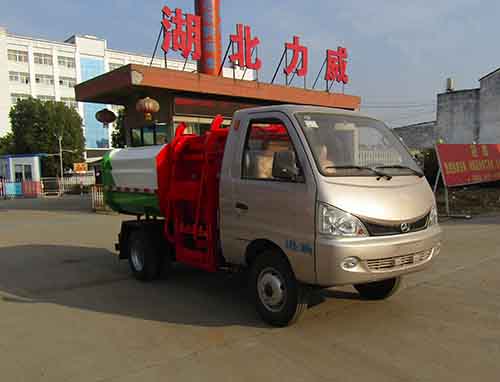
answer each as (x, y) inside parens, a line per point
(51, 186)
(80, 179)
(97, 193)
(46, 186)
(54, 186)
(26, 189)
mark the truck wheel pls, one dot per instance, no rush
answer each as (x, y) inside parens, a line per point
(379, 290)
(279, 298)
(145, 259)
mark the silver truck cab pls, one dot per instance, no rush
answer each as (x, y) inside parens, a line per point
(322, 197)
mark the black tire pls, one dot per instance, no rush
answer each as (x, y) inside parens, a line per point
(379, 290)
(145, 258)
(271, 266)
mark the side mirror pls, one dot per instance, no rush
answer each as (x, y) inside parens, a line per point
(285, 165)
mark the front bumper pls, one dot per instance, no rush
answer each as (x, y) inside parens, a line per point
(380, 257)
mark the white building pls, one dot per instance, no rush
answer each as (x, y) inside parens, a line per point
(49, 70)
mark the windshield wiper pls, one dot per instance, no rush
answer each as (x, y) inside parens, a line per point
(418, 173)
(380, 174)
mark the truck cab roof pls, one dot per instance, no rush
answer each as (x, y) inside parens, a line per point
(291, 109)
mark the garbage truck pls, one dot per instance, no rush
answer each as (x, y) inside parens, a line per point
(297, 197)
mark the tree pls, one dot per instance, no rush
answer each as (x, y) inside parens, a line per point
(37, 126)
(118, 136)
(7, 144)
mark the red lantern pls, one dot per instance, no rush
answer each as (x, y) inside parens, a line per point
(105, 116)
(147, 106)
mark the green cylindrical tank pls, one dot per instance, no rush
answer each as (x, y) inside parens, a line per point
(130, 180)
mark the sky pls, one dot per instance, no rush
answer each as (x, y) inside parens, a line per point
(400, 52)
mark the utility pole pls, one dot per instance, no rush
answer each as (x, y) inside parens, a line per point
(61, 158)
(61, 162)
(60, 155)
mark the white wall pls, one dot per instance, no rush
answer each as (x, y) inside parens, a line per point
(458, 116)
(490, 109)
(4, 85)
(90, 46)
(73, 47)
(34, 162)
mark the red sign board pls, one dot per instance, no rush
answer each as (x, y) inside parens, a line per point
(336, 65)
(185, 37)
(183, 33)
(245, 46)
(469, 164)
(298, 50)
(207, 107)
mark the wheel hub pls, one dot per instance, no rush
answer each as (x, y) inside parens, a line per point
(271, 288)
(137, 259)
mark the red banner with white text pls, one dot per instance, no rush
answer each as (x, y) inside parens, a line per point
(469, 164)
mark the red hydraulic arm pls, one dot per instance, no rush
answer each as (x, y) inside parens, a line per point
(188, 190)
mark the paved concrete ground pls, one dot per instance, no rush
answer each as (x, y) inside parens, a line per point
(69, 311)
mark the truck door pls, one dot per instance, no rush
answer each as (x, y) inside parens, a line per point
(278, 209)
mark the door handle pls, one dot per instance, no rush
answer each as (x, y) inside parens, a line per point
(241, 206)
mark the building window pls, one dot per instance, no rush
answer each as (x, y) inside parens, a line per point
(23, 172)
(67, 62)
(45, 98)
(67, 82)
(44, 79)
(113, 66)
(69, 102)
(43, 59)
(17, 55)
(14, 76)
(155, 134)
(20, 77)
(28, 175)
(14, 97)
(18, 169)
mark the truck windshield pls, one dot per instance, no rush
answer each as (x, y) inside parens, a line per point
(345, 145)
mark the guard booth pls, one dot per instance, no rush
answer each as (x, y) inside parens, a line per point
(20, 175)
(192, 98)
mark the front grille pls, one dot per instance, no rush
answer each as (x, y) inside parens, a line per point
(396, 229)
(399, 262)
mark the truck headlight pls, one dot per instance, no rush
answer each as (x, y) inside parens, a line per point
(433, 216)
(349, 263)
(335, 222)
